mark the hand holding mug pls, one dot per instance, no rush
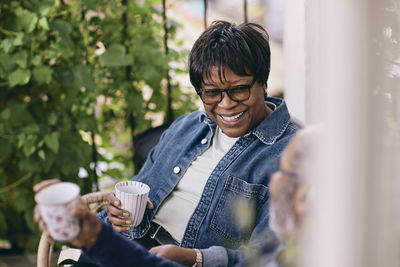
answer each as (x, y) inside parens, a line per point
(88, 225)
(122, 211)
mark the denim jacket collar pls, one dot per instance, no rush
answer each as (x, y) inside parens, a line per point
(270, 129)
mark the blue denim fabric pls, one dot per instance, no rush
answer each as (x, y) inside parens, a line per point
(242, 174)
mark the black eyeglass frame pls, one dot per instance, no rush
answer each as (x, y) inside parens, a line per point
(227, 90)
(276, 164)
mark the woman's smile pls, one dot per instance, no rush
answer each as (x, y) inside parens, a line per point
(233, 117)
(236, 118)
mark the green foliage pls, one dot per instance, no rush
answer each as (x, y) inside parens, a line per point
(67, 69)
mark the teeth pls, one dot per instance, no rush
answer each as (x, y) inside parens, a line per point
(232, 118)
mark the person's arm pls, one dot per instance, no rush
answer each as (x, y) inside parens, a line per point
(262, 241)
(262, 247)
(113, 249)
(120, 218)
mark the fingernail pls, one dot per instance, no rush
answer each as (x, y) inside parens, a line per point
(116, 203)
(128, 222)
(126, 214)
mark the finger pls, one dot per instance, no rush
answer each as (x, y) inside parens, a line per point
(121, 222)
(48, 236)
(113, 200)
(150, 204)
(121, 229)
(115, 211)
(155, 250)
(43, 184)
(36, 214)
(42, 227)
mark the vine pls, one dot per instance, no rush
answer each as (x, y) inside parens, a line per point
(63, 84)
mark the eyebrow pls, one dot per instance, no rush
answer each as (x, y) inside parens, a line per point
(234, 82)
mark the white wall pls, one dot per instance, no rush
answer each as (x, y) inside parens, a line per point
(294, 49)
(339, 48)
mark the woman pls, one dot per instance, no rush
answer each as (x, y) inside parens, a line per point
(208, 160)
(289, 191)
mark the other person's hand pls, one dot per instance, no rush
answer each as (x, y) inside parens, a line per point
(120, 218)
(90, 226)
(36, 214)
(184, 256)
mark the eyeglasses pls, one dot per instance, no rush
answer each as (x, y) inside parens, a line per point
(276, 165)
(238, 93)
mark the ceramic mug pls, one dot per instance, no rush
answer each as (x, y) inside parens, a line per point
(133, 196)
(54, 203)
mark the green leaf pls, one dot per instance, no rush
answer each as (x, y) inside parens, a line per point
(43, 23)
(19, 76)
(3, 224)
(21, 58)
(28, 148)
(64, 29)
(6, 114)
(26, 20)
(19, 39)
(90, 4)
(84, 78)
(31, 129)
(42, 155)
(45, 10)
(7, 62)
(52, 119)
(6, 44)
(51, 141)
(28, 216)
(116, 56)
(42, 74)
(20, 115)
(134, 101)
(5, 149)
(23, 203)
(116, 173)
(35, 60)
(29, 165)
(21, 140)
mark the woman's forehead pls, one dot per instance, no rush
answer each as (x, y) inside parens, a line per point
(217, 75)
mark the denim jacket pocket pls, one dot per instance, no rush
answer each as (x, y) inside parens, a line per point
(238, 200)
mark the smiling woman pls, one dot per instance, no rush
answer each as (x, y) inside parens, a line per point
(235, 116)
(208, 160)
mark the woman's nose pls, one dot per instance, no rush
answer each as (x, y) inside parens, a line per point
(226, 100)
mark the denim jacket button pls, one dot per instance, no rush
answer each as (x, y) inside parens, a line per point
(204, 141)
(177, 169)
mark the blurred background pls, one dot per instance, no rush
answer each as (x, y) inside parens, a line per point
(87, 86)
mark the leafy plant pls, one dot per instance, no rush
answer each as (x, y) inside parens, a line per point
(70, 71)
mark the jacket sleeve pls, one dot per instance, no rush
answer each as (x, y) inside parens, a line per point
(113, 249)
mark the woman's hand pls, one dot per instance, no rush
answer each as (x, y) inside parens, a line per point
(120, 218)
(184, 256)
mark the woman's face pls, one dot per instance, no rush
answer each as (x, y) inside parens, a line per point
(236, 118)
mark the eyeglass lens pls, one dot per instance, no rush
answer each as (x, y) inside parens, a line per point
(238, 93)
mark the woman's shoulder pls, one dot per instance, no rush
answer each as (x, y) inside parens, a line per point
(187, 122)
(191, 118)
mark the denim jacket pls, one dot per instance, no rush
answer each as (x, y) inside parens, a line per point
(241, 176)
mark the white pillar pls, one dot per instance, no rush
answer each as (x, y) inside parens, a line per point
(355, 220)
(294, 49)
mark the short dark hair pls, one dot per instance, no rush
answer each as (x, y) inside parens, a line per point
(244, 49)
